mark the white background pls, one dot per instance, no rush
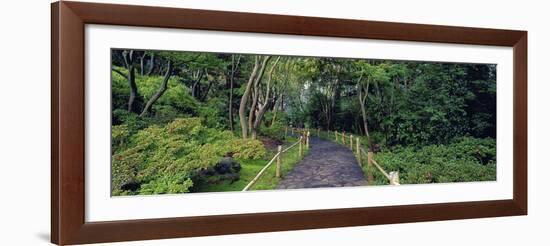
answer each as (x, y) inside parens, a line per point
(25, 137)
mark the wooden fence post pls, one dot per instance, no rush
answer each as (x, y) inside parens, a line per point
(351, 142)
(318, 132)
(301, 146)
(394, 178)
(370, 176)
(357, 146)
(292, 131)
(344, 138)
(336, 136)
(279, 153)
(369, 158)
(307, 140)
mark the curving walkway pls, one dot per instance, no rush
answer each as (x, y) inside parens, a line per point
(327, 165)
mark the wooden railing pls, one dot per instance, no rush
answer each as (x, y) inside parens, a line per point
(393, 177)
(303, 140)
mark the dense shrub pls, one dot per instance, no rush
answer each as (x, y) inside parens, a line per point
(275, 131)
(164, 159)
(463, 160)
(247, 149)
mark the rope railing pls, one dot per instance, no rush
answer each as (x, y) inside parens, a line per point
(277, 157)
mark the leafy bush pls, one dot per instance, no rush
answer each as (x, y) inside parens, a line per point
(247, 149)
(211, 113)
(164, 159)
(275, 131)
(463, 160)
(119, 135)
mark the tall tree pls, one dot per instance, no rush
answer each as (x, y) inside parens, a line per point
(234, 66)
(263, 104)
(128, 56)
(369, 74)
(255, 76)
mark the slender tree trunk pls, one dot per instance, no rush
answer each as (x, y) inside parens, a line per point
(151, 64)
(234, 66)
(195, 88)
(363, 96)
(275, 109)
(163, 87)
(252, 111)
(129, 62)
(142, 63)
(206, 91)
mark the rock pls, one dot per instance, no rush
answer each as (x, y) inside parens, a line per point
(223, 168)
(227, 165)
(232, 177)
(131, 185)
(209, 171)
(236, 166)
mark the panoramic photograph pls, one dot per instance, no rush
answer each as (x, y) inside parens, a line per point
(192, 122)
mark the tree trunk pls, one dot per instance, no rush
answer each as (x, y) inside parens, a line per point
(204, 94)
(142, 63)
(257, 73)
(129, 62)
(276, 109)
(195, 88)
(151, 64)
(234, 66)
(362, 102)
(265, 104)
(251, 113)
(244, 99)
(160, 91)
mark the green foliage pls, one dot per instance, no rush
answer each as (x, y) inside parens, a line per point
(119, 135)
(211, 113)
(463, 160)
(164, 159)
(247, 149)
(274, 131)
(434, 122)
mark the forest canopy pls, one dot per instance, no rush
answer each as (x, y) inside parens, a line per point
(176, 114)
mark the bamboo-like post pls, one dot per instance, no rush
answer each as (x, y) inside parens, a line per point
(358, 151)
(307, 140)
(369, 158)
(318, 132)
(394, 178)
(344, 138)
(335, 135)
(292, 131)
(279, 153)
(370, 177)
(351, 142)
(300, 149)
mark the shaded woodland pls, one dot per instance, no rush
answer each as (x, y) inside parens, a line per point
(192, 122)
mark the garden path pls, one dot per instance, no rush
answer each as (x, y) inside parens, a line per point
(327, 164)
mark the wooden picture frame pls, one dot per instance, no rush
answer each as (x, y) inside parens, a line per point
(68, 224)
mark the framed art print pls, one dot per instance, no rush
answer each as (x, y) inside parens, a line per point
(174, 122)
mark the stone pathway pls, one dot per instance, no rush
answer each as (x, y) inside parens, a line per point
(327, 165)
